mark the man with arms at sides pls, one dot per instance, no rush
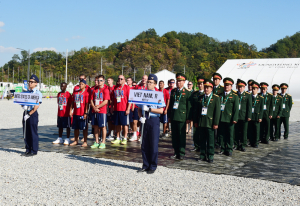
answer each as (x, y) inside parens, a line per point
(206, 118)
(64, 101)
(194, 103)
(80, 103)
(99, 100)
(111, 126)
(287, 103)
(171, 86)
(189, 126)
(121, 110)
(277, 113)
(90, 109)
(164, 115)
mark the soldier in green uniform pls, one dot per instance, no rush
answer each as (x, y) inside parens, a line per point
(257, 115)
(245, 106)
(268, 113)
(277, 112)
(218, 89)
(229, 117)
(206, 117)
(250, 85)
(180, 105)
(194, 100)
(287, 103)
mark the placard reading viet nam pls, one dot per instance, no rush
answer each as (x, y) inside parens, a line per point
(148, 97)
(26, 98)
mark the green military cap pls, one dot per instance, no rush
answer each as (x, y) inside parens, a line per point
(275, 87)
(284, 86)
(241, 83)
(250, 81)
(264, 85)
(228, 80)
(180, 76)
(200, 79)
(217, 76)
(254, 84)
(208, 83)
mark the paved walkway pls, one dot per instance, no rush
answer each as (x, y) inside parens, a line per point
(277, 161)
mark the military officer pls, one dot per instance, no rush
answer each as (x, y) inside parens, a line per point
(277, 112)
(287, 103)
(229, 117)
(194, 101)
(250, 85)
(206, 117)
(180, 105)
(268, 113)
(245, 106)
(257, 115)
(32, 118)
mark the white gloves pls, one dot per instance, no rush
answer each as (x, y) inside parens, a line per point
(145, 108)
(143, 120)
(26, 117)
(25, 108)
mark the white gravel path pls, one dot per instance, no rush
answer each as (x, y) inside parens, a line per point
(59, 179)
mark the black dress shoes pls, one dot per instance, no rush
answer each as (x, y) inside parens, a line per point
(210, 161)
(150, 172)
(243, 149)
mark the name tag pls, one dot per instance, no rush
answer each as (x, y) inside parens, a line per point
(253, 109)
(222, 107)
(273, 108)
(77, 104)
(265, 107)
(97, 102)
(61, 107)
(239, 106)
(283, 106)
(118, 99)
(204, 111)
(176, 104)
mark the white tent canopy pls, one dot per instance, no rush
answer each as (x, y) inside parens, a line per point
(272, 71)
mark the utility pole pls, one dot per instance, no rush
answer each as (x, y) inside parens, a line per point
(101, 65)
(66, 79)
(123, 68)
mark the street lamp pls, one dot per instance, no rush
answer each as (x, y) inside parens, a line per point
(28, 62)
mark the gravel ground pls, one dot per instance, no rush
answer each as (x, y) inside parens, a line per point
(59, 179)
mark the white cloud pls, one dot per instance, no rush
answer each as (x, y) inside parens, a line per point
(78, 37)
(8, 49)
(66, 39)
(1, 25)
(45, 49)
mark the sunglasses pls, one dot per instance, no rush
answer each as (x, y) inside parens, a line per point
(32, 82)
(189, 84)
(172, 82)
(120, 78)
(100, 80)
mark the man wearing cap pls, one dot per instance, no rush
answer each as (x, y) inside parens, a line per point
(180, 105)
(287, 103)
(250, 85)
(194, 102)
(31, 117)
(277, 112)
(206, 118)
(151, 130)
(268, 113)
(257, 115)
(245, 106)
(229, 117)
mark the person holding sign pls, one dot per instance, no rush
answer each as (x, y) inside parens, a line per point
(245, 106)
(206, 117)
(151, 123)
(229, 117)
(277, 113)
(80, 104)
(64, 101)
(180, 105)
(31, 118)
(287, 103)
(99, 100)
(257, 115)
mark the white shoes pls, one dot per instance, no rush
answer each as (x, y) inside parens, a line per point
(67, 141)
(110, 138)
(133, 138)
(90, 136)
(58, 141)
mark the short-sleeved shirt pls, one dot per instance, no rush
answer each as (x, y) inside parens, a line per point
(166, 96)
(83, 98)
(77, 89)
(101, 95)
(64, 101)
(123, 93)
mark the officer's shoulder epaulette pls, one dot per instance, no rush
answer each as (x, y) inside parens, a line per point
(221, 86)
(289, 95)
(235, 94)
(270, 93)
(279, 96)
(195, 91)
(261, 96)
(216, 95)
(248, 92)
(234, 91)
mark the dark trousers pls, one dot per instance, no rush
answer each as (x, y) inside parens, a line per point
(196, 137)
(207, 143)
(31, 137)
(274, 123)
(285, 121)
(254, 128)
(178, 137)
(216, 137)
(241, 130)
(150, 143)
(226, 133)
(265, 129)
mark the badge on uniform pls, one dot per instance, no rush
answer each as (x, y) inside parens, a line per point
(176, 104)
(265, 107)
(61, 107)
(222, 107)
(97, 102)
(118, 99)
(204, 111)
(253, 109)
(239, 106)
(273, 108)
(78, 104)
(283, 106)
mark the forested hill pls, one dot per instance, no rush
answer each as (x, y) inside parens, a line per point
(199, 53)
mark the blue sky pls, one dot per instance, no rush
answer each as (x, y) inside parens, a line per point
(66, 24)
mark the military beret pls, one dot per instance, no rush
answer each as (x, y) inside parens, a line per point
(217, 76)
(152, 77)
(35, 78)
(200, 79)
(263, 85)
(228, 80)
(284, 86)
(275, 87)
(254, 84)
(180, 76)
(208, 83)
(241, 82)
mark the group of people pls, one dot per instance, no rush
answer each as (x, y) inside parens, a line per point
(223, 118)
